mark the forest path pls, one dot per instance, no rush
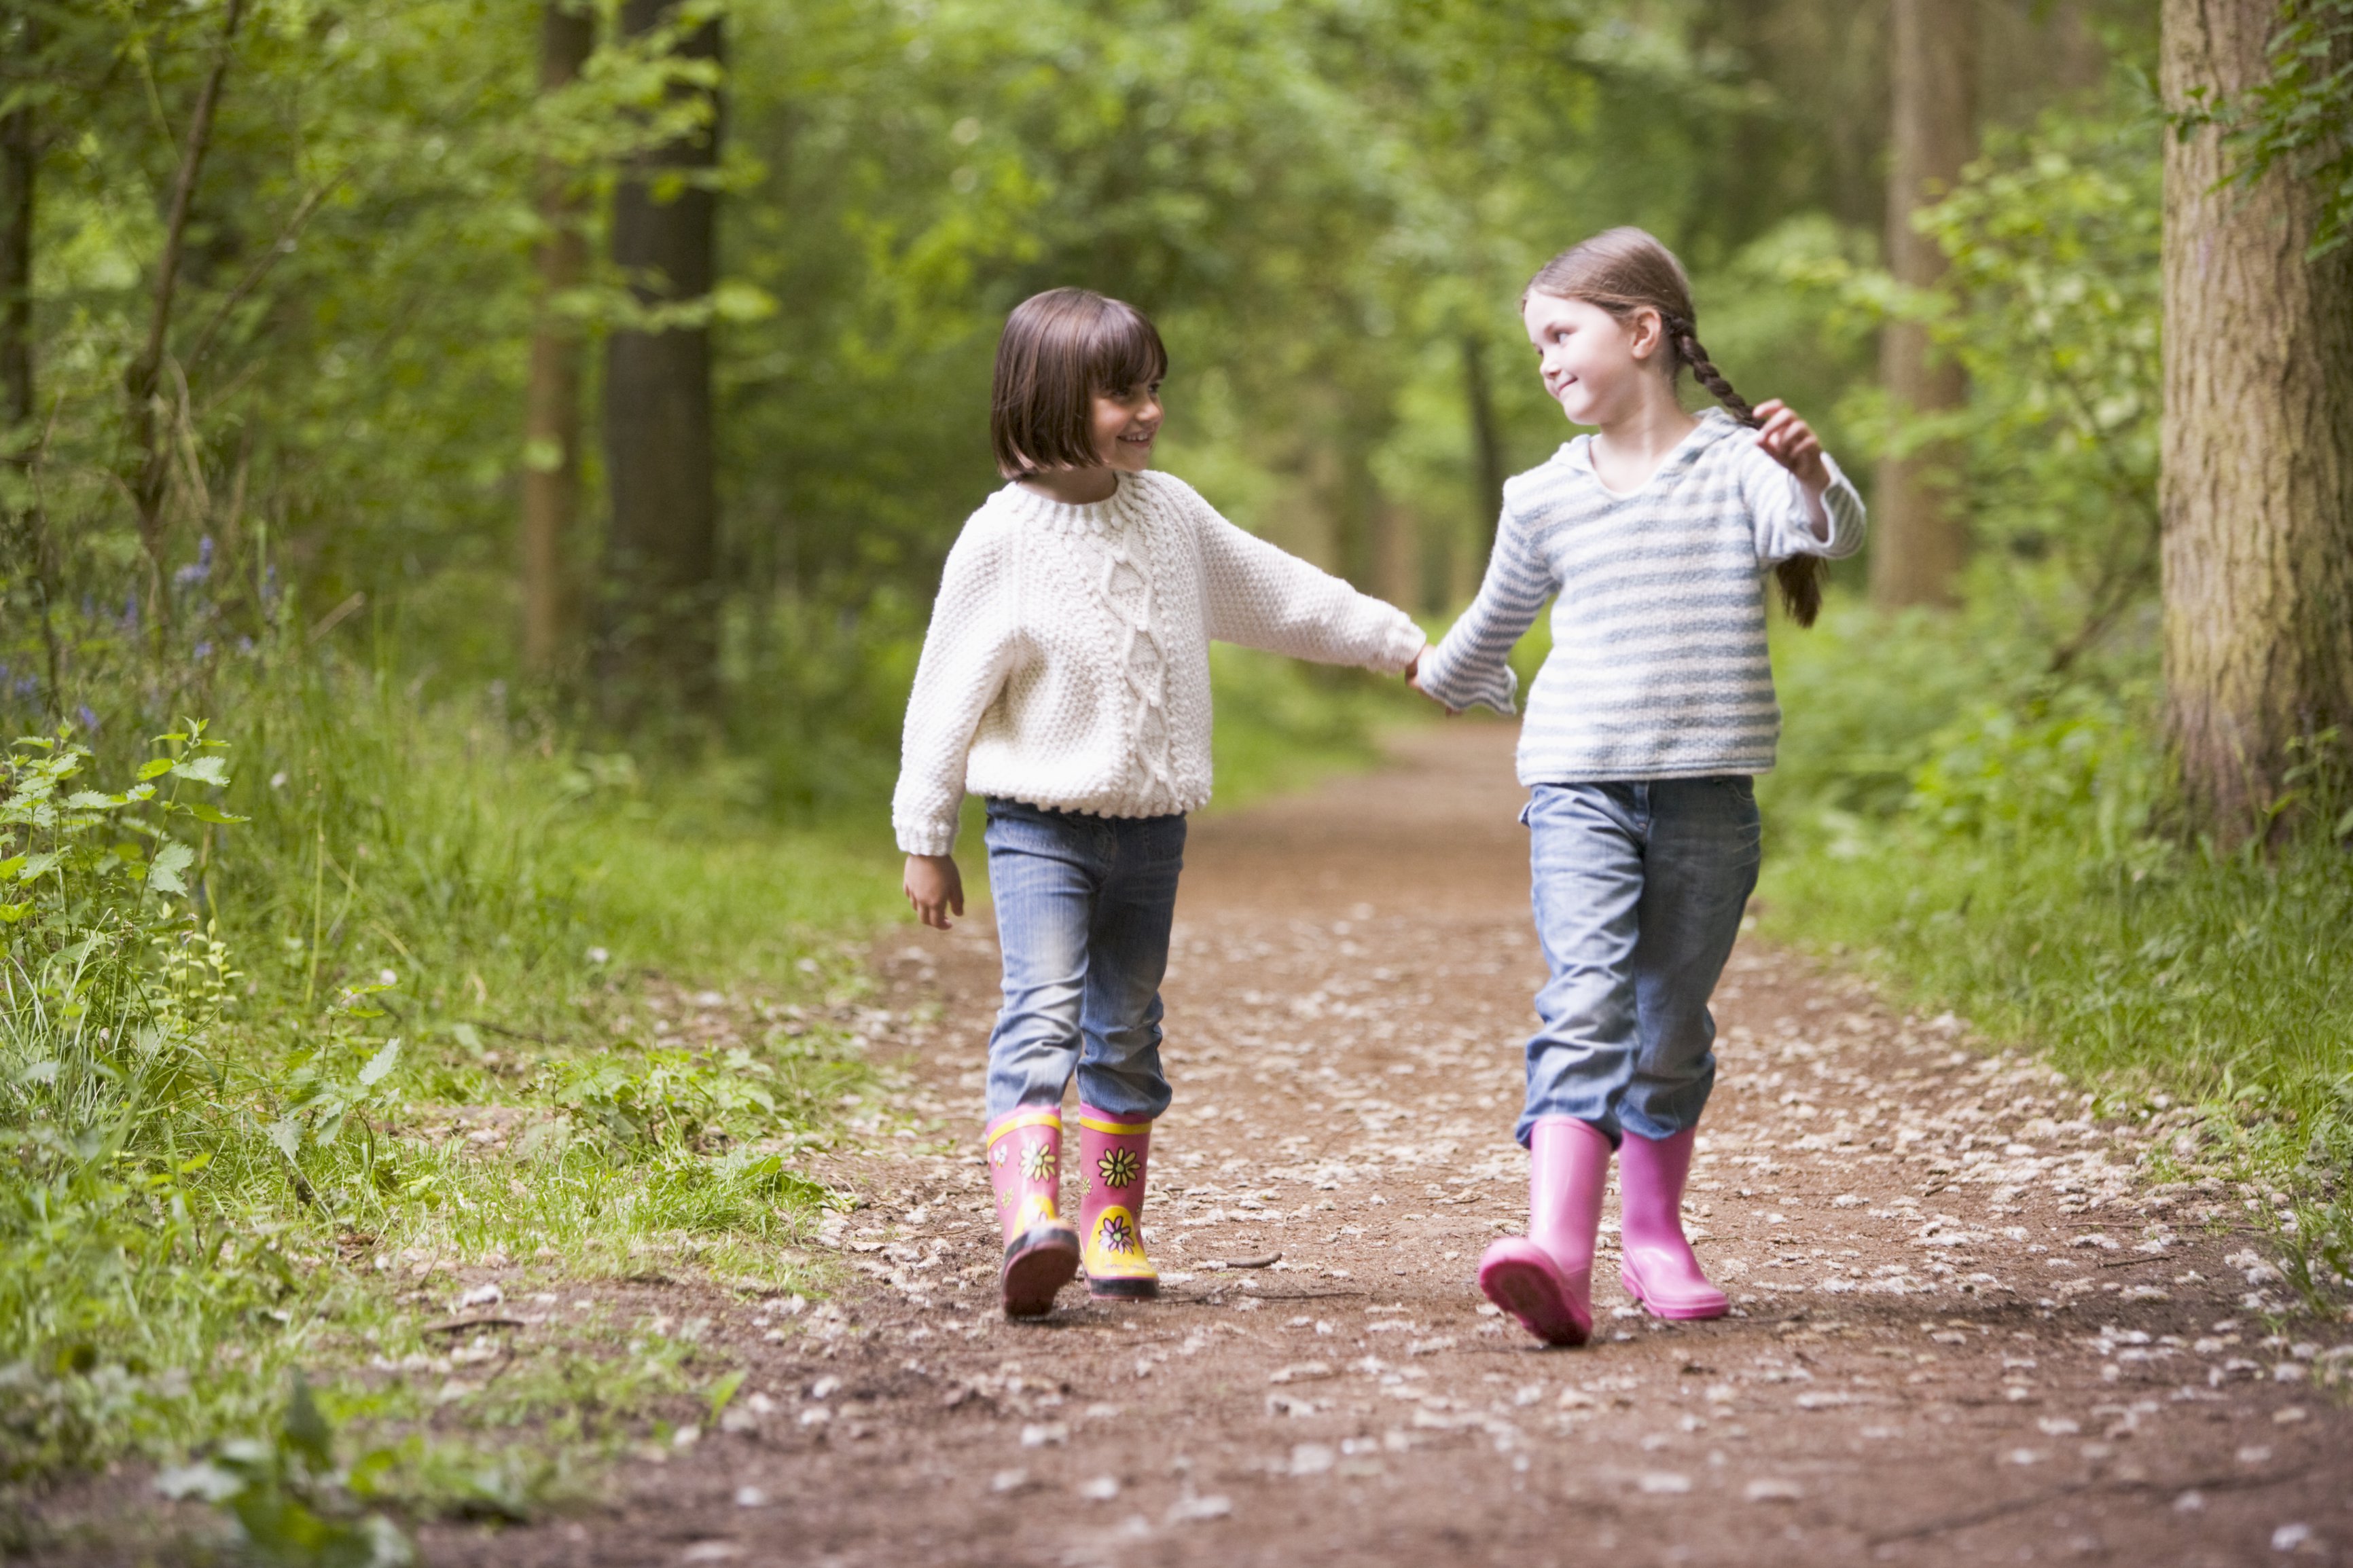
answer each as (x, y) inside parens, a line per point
(1965, 1333)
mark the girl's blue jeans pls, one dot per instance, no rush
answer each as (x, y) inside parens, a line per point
(1084, 908)
(1639, 890)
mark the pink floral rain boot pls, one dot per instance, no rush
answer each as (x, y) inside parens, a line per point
(1112, 1154)
(1655, 1263)
(1545, 1279)
(1041, 1250)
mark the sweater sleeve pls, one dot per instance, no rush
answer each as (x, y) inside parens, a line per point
(968, 651)
(1263, 598)
(1784, 521)
(1471, 664)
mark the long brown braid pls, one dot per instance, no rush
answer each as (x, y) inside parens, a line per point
(1625, 270)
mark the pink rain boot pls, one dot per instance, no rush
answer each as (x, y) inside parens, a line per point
(1041, 1250)
(1655, 1263)
(1112, 1154)
(1545, 1279)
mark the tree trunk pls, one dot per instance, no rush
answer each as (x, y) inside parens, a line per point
(658, 445)
(551, 475)
(19, 167)
(30, 559)
(1918, 532)
(1486, 443)
(2256, 488)
(142, 379)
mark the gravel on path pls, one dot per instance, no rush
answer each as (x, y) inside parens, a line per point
(1965, 1329)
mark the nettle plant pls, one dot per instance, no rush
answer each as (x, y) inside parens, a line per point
(109, 978)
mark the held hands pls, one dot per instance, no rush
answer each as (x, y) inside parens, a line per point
(1791, 442)
(935, 888)
(1413, 680)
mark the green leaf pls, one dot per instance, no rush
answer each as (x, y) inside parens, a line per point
(204, 770)
(204, 813)
(383, 1062)
(725, 1390)
(154, 768)
(164, 871)
(209, 1482)
(304, 1431)
(286, 1132)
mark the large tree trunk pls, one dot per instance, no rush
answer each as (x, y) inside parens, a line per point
(2256, 490)
(1919, 535)
(551, 477)
(659, 446)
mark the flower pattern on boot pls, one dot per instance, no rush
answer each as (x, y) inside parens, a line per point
(1114, 1155)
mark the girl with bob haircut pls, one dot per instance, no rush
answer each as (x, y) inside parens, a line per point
(1065, 680)
(1644, 729)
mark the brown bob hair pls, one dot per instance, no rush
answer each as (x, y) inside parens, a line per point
(1061, 350)
(1626, 271)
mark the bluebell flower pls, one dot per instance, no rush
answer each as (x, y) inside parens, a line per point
(204, 650)
(86, 719)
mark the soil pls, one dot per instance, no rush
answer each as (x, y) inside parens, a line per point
(1965, 1330)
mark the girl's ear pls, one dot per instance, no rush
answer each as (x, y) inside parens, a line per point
(1648, 330)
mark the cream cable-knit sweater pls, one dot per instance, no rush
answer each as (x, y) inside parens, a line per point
(1068, 659)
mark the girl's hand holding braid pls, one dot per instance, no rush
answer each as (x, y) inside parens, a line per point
(1791, 442)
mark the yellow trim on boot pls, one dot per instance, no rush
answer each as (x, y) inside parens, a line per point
(1048, 1116)
(1035, 1209)
(1116, 1129)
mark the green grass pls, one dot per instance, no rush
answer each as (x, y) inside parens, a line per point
(233, 1097)
(1980, 836)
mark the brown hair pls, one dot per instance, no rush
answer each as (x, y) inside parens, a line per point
(1626, 271)
(1060, 350)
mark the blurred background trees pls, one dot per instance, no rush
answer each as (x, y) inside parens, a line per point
(309, 307)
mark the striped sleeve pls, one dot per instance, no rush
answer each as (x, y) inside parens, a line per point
(1473, 663)
(1783, 518)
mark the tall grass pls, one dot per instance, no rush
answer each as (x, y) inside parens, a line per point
(238, 1028)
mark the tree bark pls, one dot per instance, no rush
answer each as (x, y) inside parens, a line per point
(2257, 486)
(31, 556)
(151, 447)
(19, 174)
(658, 443)
(1919, 534)
(1486, 443)
(551, 474)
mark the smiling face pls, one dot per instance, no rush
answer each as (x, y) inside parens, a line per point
(1597, 367)
(1124, 424)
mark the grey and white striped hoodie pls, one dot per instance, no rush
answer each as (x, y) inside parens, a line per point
(1659, 667)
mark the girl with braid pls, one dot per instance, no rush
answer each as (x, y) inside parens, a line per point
(1643, 732)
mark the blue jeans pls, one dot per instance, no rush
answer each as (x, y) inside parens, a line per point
(1639, 892)
(1084, 908)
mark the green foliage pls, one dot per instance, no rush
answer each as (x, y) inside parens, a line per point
(293, 1505)
(2015, 875)
(216, 1136)
(2299, 119)
(2050, 303)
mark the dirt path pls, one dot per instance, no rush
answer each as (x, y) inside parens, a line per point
(1965, 1334)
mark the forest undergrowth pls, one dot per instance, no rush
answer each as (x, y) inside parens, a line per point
(1984, 835)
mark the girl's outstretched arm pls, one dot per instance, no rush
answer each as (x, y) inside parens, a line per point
(1264, 597)
(1472, 663)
